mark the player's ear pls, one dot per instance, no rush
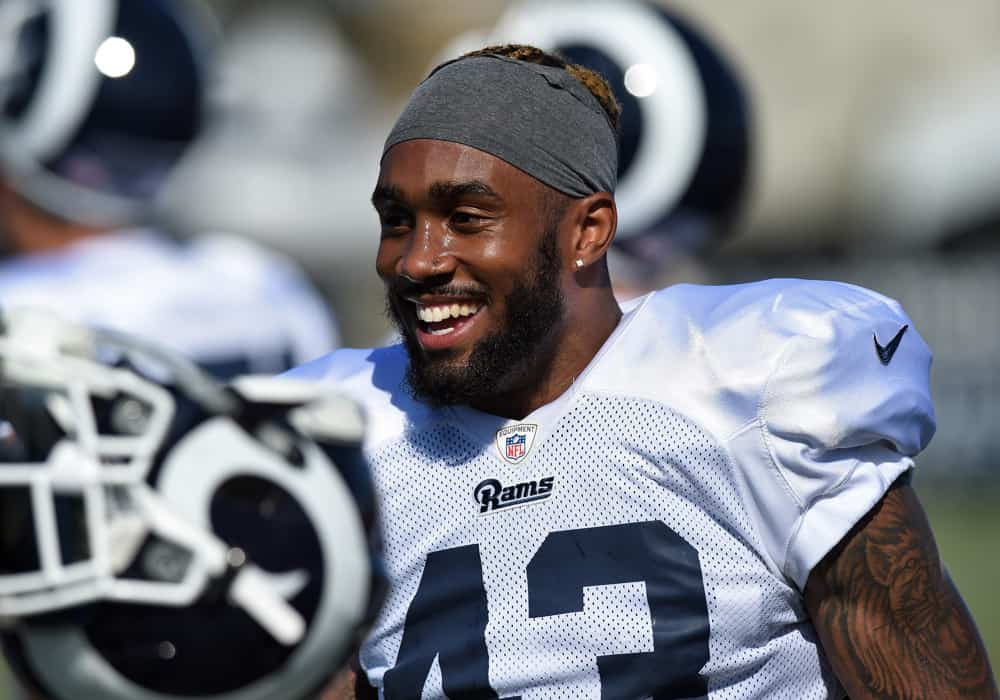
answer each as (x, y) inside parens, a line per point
(595, 219)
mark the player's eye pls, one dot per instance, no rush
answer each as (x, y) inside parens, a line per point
(395, 222)
(467, 220)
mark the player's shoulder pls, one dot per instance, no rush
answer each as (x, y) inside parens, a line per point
(763, 321)
(834, 361)
(754, 323)
(376, 379)
(796, 305)
(698, 346)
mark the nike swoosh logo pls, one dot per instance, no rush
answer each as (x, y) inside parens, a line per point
(885, 353)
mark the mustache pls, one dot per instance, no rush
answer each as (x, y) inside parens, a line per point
(403, 287)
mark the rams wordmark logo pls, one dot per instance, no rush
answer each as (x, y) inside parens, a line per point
(492, 496)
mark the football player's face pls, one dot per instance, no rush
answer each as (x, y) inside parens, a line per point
(469, 255)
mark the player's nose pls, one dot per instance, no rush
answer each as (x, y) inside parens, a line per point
(427, 253)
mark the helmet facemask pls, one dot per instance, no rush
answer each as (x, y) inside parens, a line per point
(158, 495)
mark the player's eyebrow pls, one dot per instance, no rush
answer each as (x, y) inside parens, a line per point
(387, 193)
(450, 191)
(442, 191)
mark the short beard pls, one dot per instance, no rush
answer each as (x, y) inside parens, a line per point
(505, 357)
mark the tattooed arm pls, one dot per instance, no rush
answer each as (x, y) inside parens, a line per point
(888, 616)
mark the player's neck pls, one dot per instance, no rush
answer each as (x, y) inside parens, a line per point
(582, 334)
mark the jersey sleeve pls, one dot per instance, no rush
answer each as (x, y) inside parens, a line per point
(844, 411)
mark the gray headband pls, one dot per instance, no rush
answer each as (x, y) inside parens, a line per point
(539, 119)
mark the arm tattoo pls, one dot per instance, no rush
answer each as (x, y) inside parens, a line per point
(890, 620)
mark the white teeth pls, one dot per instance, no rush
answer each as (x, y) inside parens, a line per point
(444, 331)
(434, 314)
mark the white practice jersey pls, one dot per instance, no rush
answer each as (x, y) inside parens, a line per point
(221, 300)
(649, 533)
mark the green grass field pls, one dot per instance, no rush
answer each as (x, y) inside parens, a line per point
(968, 532)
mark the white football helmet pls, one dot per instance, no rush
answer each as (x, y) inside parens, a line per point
(99, 99)
(165, 536)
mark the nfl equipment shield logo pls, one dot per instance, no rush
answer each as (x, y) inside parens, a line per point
(515, 446)
(514, 442)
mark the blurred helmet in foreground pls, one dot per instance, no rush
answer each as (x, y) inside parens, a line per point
(684, 149)
(98, 99)
(174, 538)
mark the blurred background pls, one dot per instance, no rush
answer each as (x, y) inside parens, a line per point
(848, 141)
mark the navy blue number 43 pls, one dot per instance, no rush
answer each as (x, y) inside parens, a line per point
(448, 615)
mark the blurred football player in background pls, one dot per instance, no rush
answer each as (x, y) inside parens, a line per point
(175, 538)
(292, 84)
(711, 495)
(98, 101)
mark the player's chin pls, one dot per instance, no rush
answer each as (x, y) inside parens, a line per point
(440, 380)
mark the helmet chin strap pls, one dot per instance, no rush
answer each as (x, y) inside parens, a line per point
(254, 590)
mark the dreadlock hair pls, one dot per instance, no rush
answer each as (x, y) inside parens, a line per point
(592, 80)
